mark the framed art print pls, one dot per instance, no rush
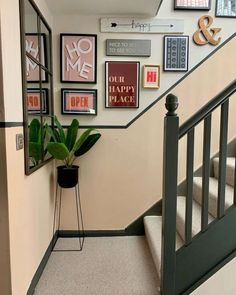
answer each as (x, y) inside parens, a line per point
(122, 84)
(78, 58)
(176, 51)
(32, 50)
(151, 76)
(34, 101)
(79, 101)
(193, 4)
(226, 8)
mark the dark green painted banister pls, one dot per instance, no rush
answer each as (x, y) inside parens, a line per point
(207, 109)
(169, 201)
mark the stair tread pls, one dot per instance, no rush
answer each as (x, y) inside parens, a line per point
(196, 217)
(213, 194)
(153, 231)
(230, 167)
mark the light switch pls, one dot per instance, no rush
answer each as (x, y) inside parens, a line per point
(19, 141)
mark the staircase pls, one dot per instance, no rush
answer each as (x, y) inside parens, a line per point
(197, 231)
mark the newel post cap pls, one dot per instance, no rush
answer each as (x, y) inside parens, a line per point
(171, 104)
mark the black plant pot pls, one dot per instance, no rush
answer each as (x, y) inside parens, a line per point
(67, 177)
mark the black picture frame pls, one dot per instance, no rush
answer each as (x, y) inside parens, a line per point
(227, 12)
(176, 53)
(74, 101)
(82, 64)
(120, 72)
(34, 101)
(30, 57)
(179, 6)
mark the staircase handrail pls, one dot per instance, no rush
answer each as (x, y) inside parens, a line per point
(207, 109)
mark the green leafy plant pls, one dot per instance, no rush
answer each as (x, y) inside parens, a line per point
(37, 140)
(65, 146)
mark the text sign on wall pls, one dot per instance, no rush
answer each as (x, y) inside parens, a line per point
(128, 47)
(79, 101)
(140, 25)
(122, 84)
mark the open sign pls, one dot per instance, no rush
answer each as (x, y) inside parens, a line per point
(34, 101)
(79, 101)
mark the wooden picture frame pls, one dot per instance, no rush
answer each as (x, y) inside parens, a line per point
(122, 84)
(151, 76)
(195, 5)
(32, 50)
(78, 58)
(176, 53)
(224, 9)
(33, 101)
(78, 101)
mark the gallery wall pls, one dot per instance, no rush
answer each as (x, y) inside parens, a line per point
(90, 24)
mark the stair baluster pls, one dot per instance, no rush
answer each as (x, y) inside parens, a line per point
(189, 194)
(206, 171)
(222, 158)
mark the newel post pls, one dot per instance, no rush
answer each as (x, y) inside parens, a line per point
(169, 202)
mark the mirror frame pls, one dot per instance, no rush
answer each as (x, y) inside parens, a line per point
(40, 19)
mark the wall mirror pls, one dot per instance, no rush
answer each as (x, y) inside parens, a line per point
(37, 81)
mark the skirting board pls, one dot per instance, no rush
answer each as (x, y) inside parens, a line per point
(136, 228)
(42, 265)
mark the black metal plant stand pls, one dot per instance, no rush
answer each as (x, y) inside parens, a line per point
(81, 235)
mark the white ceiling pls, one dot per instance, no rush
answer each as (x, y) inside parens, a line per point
(105, 7)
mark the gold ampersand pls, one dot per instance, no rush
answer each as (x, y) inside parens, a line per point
(204, 23)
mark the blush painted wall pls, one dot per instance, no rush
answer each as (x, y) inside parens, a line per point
(121, 176)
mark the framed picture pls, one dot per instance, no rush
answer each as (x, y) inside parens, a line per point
(79, 101)
(151, 76)
(78, 58)
(226, 8)
(193, 4)
(176, 50)
(34, 102)
(122, 84)
(32, 48)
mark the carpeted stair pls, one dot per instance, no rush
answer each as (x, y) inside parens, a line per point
(153, 224)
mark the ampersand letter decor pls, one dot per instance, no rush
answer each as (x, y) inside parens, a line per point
(207, 34)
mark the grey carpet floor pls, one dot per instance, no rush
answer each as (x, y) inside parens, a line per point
(106, 266)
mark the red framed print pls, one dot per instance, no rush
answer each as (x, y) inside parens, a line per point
(32, 50)
(34, 101)
(151, 76)
(79, 101)
(78, 58)
(122, 84)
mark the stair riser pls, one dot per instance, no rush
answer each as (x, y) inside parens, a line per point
(229, 172)
(213, 198)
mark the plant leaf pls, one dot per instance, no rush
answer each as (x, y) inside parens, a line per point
(88, 144)
(72, 134)
(60, 131)
(50, 132)
(34, 128)
(82, 139)
(58, 150)
(35, 150)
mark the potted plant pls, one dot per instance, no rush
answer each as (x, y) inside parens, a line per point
(65, 146)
